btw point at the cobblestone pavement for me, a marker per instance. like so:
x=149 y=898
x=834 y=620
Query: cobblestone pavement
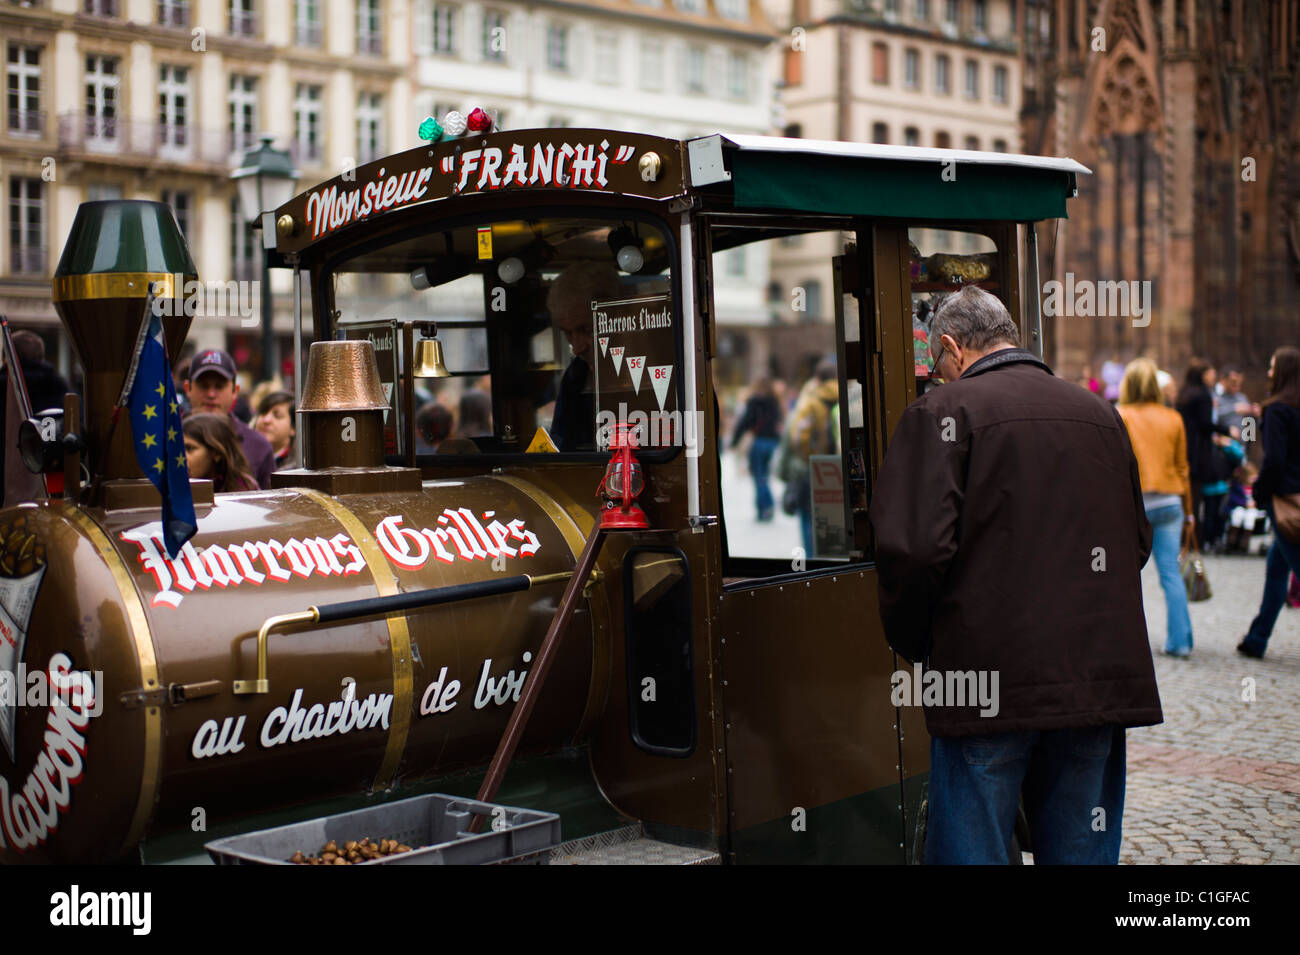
x=1219 y=780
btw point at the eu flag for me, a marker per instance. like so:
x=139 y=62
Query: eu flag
x=159 y=441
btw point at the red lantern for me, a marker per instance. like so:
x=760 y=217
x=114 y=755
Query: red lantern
x=622 y=483
x=478 y=121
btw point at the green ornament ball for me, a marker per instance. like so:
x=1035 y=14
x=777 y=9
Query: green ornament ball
x=430 y=130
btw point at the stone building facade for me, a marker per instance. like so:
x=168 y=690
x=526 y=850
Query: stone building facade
x=1185 y=112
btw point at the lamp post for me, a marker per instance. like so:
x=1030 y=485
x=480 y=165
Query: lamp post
x=265 y=181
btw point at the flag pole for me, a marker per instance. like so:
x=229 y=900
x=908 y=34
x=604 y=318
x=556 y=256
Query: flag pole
x=125 y=395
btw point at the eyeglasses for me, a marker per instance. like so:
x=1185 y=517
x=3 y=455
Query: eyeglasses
x=934 y=363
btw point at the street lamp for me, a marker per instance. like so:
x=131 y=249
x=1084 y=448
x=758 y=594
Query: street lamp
x=265 y=181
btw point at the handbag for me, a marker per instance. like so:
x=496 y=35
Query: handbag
x=1286 y=516
x=1194 y=578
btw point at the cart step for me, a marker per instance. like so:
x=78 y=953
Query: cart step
x=629 y=846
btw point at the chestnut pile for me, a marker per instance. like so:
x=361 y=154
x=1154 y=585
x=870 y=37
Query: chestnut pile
x=351 y=853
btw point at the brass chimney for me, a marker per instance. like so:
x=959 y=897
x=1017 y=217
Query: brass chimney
x=343 y=407
x=115 y=249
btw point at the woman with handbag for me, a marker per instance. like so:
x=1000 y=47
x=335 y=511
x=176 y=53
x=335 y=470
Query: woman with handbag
x=1196 y=405
x=1277 y=491
x=1160 y=446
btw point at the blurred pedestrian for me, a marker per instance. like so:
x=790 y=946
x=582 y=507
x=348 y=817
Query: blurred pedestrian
x=808 y=432
x=212 y=388
x=762 y=416
x=277 y=422
x=475 y=415
x=1279 y=474
x=1160 y=446
x=1230 y=402
x=433 y=423
x=213 y=452
x=1010 y=536
x=1196 y=405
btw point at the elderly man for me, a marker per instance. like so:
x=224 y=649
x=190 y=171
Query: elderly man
x=573 y=426
x=1010 y=534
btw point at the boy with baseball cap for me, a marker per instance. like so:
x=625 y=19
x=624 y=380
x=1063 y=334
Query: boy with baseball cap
x=212 y=388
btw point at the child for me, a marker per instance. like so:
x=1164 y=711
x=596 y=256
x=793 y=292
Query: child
x=1243 y=515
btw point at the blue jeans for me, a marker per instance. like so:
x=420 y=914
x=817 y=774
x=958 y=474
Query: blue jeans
x=1167 y=527
x=1072 y=781
x=1283 y=560
x=760 y=460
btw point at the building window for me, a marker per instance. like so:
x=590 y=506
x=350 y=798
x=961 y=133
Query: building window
x=101 y=99
x=182 y=204
x=812 y=300
x=243 y=259
x=921 y=10
x=174 y=13
x=950 y=12
x=1000 y=84
x=307 y=122
x=306 y=23
x=370 y=38
x=982 y=16
x=173 y=107
x=557 y=47
x=242 y=20
x=999 y=145
x=879 y=133
x=559 y=122
x=942 y=140
x=26 y=225
x=100 y=8
x=444 y=28
x=879 y=63
x=606 y=58
x=942 y=74
x=243 y=112
x=23 y=89
x=973 y=142
x=736 y=262
x=494 y=36
x=691 y=6
x=912 y=69
x=972 y=79
x=693 y=69
x=652 y=64
x=370 y=127
x=891 y=6
x=911 y=136
x=732 y=9
x=738 y=74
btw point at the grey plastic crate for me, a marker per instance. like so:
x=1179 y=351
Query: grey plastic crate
x=435 y=826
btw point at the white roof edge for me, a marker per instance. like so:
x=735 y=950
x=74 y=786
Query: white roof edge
x=828 y=147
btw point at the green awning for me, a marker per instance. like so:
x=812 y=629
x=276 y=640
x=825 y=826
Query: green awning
x=904 y=190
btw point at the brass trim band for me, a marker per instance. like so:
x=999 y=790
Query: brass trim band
x=399 y=637
x=69 y=288
x=144 y=648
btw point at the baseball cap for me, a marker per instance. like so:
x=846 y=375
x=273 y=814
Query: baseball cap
x=213 y=359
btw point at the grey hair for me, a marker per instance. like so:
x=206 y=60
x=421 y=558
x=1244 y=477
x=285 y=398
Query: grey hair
x=974 y=319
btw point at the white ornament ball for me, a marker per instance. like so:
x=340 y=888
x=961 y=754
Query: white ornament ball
x=453 y=124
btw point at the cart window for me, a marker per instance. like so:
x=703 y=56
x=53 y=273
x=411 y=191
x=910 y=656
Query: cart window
x=512 y=302
x=941 y=262
x=791 y=397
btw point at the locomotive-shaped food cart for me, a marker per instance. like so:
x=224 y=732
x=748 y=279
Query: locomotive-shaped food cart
x=722 y=681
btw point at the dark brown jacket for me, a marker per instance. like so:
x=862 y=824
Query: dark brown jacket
x=1002 y=497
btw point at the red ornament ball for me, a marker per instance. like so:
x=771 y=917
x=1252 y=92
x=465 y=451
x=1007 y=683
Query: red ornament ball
x=479 y=121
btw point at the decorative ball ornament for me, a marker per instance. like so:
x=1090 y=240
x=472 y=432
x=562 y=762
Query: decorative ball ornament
x=430 y=130
x=478 y=121
x=453 y=124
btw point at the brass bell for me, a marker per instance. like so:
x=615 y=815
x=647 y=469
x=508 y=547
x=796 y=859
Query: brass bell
x=430 y=363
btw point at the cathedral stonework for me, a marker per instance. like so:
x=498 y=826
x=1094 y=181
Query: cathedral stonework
x=1185 y=112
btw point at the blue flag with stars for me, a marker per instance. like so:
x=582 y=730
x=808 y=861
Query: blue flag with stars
x=159 y=440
